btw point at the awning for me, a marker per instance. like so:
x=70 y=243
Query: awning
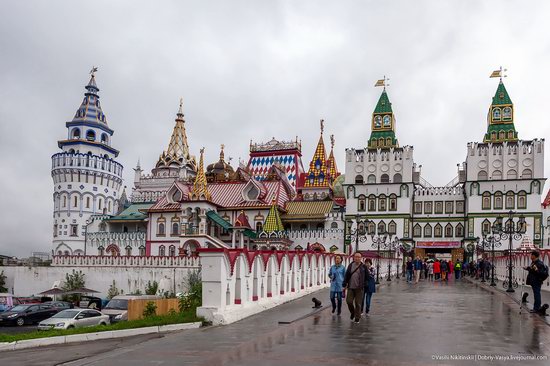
x=217 y=219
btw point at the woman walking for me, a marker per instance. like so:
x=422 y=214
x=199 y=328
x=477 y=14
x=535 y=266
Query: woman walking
x=437 y=269
x=430 y=271
x=370 y=286
x=336 y=274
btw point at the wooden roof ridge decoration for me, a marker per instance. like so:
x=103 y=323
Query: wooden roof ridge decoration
x=200 y=186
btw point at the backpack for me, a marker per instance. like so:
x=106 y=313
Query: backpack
x=543 y=275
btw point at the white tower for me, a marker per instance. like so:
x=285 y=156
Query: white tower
x=87 y=179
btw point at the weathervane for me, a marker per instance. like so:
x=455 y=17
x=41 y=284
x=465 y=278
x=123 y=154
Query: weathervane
x=181 y=106
x=382 y=82
x=322 y=125
x=332 y=141
x=93 y=71
x=499 y=73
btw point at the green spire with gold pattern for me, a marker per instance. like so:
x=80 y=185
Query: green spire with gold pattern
x=383 y=124
x=500 y=119
x=273 y=221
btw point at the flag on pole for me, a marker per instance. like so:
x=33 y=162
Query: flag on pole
x=381 y=82
x=496 y=74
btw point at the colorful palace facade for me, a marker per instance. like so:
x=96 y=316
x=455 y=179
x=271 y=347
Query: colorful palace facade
x=272 y=202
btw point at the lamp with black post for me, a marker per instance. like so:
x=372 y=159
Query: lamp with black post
x=387 y=241
x=359 y=233
x=480 y=246
x=509 y=232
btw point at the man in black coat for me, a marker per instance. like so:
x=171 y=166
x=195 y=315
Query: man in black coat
x=355 y=281
x=535 y=278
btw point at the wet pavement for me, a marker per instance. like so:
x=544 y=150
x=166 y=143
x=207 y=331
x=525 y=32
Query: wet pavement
x=428 y=323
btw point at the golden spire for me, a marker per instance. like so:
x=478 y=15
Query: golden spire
x=200 y=187
x=178 y=148
x=222 y=155
x=317 y=174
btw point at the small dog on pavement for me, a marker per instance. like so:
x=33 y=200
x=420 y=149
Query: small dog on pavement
x=316 y=303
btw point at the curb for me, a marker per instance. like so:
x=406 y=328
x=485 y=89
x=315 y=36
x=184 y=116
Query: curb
x=110 y=334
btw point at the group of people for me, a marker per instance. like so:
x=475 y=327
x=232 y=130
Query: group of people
x=356 y=283
x=432 y=269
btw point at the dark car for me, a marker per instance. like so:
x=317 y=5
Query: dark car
x=90 y=302
x=27 y=314
x=59 y=305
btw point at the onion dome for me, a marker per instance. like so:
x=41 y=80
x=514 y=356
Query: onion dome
x=220 y=170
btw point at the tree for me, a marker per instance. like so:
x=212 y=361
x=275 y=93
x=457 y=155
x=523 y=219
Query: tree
x=3 y=282
x=113 y=291
x=151 y=288
x=74 y=281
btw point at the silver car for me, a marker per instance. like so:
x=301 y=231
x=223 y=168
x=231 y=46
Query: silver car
x=74 y=318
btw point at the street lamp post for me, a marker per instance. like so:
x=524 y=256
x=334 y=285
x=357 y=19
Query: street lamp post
x=481 y=246
x=509 y=232
x=359 y=233
x=388 y=242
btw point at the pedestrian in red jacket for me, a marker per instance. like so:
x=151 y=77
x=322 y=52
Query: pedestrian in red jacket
x=437 y=270
x=451 y=267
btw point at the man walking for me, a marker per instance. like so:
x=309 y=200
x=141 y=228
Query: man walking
x=458 y=268
x=336 y=275
x=538 y=272
x=417 y=266
x=409 y=269
x=354 y=281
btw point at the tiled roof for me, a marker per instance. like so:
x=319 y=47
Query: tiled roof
x=546 y=201
x=384 y=104
x=307 y=209
x=90 y=109
x=200 y=187
x=317 y=176
x=501 y=96
x=273 y=221
x=132 y=213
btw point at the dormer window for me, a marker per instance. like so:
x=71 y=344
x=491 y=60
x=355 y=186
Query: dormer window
x=318 y=164
x=251 y=192
x=496 y=114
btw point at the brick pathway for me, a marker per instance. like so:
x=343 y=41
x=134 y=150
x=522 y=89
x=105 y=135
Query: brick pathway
x=409 y=325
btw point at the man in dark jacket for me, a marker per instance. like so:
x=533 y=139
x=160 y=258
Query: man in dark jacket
x=535 y=278
x=354 y=282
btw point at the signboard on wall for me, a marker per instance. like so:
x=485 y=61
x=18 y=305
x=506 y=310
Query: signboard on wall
x=438 y=244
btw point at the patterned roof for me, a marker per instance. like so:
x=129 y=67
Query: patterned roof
x=383 y=105
x=501 y=96
x=230 y=195
x=318 y=176
x=242 y=220
x=382 y=135
x=273 y=221
x=178 y=148
x=546 y=201
x=133 y=212
x=332 y=169
x=200 y=187
x=307 y=209
x=90 y=109
x=501 y=127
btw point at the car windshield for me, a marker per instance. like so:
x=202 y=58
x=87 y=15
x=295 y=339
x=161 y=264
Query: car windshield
x=20 y=308
x=67 y=314
x=118 y=304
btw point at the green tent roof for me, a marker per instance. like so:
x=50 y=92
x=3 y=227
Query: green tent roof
x=383 y=105
x=501 y=96
x=132 y=212
x=213 y=215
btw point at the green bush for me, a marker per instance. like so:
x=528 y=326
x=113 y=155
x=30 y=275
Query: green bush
x=113 y=291
x=3 y=282
x=193 y=298
x=150 y=309
x=73 y=281
x=151 y=288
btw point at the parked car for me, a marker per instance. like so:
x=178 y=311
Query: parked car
x=74 y=318
x=29 y=300
x=7 y=301
x=117 y=308
x=90 y=302
x=27 y=314
x=60 y=305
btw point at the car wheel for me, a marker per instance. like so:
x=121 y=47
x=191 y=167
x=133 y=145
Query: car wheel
x=20 y=322
x=103 y=323
x=70 y=327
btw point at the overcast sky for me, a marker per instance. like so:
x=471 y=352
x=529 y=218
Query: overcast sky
x=254 y=70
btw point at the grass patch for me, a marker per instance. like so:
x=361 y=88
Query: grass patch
x=185 y=317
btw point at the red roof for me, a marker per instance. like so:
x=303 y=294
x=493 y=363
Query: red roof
x=546 y=201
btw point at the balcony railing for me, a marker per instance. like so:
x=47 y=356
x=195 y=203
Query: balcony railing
x=69 y=160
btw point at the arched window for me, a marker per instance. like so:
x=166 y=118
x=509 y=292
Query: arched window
x=496 y=114
x=482 y=175
x=259 y=227
x=101 y=251
x=64 y=201
x=392 y=228
x=359 y=179
x=175 y=228
x=161 y=228
x=142 y=251
x=428 y=231
x=486 y=201
x=512 y=174
x=382 y=202
x=507 y=113
x=527 y=174
x=510 y=134
x=522 y=199
x=76 y=133
x=334 y=225
x=381 y=228
x=87 y=202
x=371 y=228
x=417 y=231
x=371 y=179
x=459 y=231
x=162 y=251
x=172 y=251
x=498 y=201
x=393 y=202
x=397 y=178
x=497 y=175
x=104 y=138
x=90 y=135
x=510 y=200
x=485 y=227
x=75 y=201
x=100 y=204
x=449 y=231
x=128 y=251
x=361 y=203
x=384 y=178
x=103 y=227
x=501 y=135
x=320 y=226
x=438 y=231
x=372 y=202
